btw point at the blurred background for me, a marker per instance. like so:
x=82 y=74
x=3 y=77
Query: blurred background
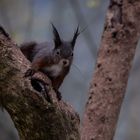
x=27 y=20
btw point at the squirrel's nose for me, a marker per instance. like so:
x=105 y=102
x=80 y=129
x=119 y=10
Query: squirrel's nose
x=65 y=62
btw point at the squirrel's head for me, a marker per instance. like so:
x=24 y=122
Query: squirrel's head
x=63 y=50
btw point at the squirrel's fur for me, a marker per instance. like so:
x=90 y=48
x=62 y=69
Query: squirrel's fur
x=53 y=59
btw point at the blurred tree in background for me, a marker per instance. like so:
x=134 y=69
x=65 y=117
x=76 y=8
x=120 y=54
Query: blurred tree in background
x=27 y=20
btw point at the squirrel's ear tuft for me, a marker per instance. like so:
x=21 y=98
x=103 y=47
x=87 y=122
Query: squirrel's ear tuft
x=76 y=34
x=57 y=39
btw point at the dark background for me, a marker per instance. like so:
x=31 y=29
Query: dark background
x=27 y=20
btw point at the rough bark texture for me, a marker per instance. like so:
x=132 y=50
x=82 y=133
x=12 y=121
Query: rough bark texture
x=119 y=40
x=34 y=117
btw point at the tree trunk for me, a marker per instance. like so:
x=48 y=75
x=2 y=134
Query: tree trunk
x=34 y=117
x=119 y=40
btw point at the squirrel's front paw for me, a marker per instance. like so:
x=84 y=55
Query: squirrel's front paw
x=29 y=72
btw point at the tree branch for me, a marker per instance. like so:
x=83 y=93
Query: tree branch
x=119 y=40
x=34 y=117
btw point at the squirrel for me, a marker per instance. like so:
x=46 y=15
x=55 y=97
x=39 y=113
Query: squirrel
x=53 y=59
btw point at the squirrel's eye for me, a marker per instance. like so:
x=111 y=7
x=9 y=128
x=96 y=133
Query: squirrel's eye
x=71 y=54
x=58 y=52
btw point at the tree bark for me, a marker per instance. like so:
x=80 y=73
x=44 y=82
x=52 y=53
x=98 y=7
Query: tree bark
x=106 y=93
x=34 y=117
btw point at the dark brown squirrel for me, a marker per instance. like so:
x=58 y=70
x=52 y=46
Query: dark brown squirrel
x=53 y=59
